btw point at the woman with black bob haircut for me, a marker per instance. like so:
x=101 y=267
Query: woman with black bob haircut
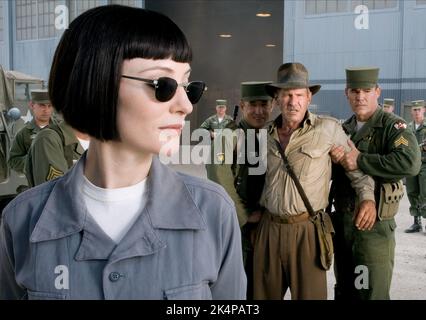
x=120 y=224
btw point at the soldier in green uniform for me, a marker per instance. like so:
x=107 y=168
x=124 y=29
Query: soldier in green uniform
x=388 y=105
x=416 y=186
x=53 y=152
x=245 y=188
x=42 y=112
x=384 y=148
x=215 y=124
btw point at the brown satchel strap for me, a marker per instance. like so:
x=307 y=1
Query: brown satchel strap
x=296 y=180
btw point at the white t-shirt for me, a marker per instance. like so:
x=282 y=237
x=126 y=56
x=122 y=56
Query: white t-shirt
x=84 y=143
x=220 y=119
x=417 y=125
x=359 y=125
x=114 y=210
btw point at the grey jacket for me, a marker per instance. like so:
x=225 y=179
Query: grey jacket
x=186 y=244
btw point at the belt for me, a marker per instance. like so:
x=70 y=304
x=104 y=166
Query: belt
x=289 y=219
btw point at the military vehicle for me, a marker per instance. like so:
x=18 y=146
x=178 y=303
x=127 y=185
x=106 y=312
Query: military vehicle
x=15 y=89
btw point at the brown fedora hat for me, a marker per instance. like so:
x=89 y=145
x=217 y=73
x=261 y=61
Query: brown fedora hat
x=292 y=75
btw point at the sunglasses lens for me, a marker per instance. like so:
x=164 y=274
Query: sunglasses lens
x=166 y=88
x=195 y=90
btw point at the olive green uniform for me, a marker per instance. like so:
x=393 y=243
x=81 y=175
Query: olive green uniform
x=211 y=124
x=389 y=152
x=21 y=144
x=416 y=186
x=52 y=153
x=244 y=189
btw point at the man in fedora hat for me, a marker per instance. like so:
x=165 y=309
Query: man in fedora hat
x=42 y=116
x=215 y=124
x=243 y=186
x=388 y=105
x=384 y=148
x=286 y=251
x=416 y=186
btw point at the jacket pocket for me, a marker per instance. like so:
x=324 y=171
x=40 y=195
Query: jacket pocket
x=313 y=152
x=39 y=295
x=199 y=291
x=316 y=159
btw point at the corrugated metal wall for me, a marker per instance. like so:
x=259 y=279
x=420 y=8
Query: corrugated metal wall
x=395 y=41
x=33 y=56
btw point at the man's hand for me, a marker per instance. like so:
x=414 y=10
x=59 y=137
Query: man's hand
x=255 y=216
x=337 y=153
x=366 y=216
x=212 y=134
x=349 y=160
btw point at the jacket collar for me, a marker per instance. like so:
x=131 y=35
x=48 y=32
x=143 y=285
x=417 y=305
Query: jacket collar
x=309 y=120
x=169 y=204
x=376 y=121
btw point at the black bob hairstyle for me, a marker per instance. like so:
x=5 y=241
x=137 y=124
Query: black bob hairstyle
x=86 y=70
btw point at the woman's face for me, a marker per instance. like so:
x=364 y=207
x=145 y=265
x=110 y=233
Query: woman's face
x=145 y=124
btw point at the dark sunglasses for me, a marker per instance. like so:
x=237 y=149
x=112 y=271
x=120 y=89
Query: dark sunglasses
x=165 y=88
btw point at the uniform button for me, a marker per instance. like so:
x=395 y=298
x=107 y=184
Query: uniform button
x=114 y=276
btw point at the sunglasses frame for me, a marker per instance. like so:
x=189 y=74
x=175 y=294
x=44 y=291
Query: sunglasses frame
x=155 y=85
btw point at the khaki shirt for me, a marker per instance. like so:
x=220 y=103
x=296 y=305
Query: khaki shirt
x=308 y=155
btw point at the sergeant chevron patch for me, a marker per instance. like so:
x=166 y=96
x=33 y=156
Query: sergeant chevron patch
x=401 y=140
x=53 y=173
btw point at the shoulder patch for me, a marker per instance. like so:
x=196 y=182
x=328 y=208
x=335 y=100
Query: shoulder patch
x=400 y=125
x=401 y=141
x=53 y=173
x=220 y=157
x=325 y=117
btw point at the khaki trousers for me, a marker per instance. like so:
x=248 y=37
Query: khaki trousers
x=286 y=256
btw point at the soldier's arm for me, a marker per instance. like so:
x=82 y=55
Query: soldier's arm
x=223 y=174
x=226 y=180
x=206 y=124
x=362 y=183
x=18 y=153
x=403 y=158
x=48 y=161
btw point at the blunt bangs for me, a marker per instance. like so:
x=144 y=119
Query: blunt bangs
x=86 y=71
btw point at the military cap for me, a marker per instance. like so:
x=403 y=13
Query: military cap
x=417 y=104
x=292 y=75
x=388 y=102
x=362 y=78
x=254 y=90
x=40 y=96
x=221 y=102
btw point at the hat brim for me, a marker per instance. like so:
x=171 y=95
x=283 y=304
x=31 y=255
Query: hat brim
x=256 y=98
x=41 y=101
x=272 y=88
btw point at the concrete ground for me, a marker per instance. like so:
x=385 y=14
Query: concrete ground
x=409 y=277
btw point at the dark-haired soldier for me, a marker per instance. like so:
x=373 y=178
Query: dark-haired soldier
x=385 y=149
